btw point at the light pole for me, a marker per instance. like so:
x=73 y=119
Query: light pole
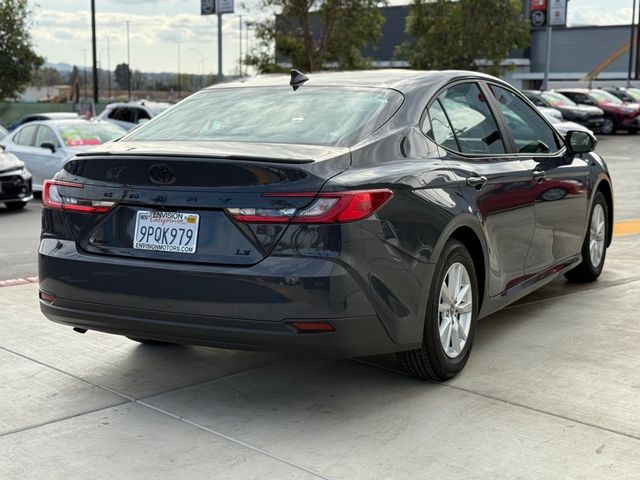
x=219 y=13
x=95 y=60
x=631 y=42
x=202 y=60
x=178 y=43
x=84 y=67
x=109 y=65
x=128 y=62
x=240 y=54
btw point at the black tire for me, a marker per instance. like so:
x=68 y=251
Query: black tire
x=431 y=362
x=15 y=205
x=587 y=271
x=609 y=125
x=633 y=131
x=147 y=341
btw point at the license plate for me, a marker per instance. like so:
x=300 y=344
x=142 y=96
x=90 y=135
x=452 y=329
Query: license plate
x=175 y=232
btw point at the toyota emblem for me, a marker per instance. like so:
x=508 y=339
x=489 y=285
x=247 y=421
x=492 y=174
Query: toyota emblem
x=161 y=174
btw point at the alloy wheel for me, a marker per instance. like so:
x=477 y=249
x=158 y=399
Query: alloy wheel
x=597 y=230
x=455 y=310
x=608 y=127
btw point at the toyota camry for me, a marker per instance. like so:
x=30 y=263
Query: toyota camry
x=336 y=213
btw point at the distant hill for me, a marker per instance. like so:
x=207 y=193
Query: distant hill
x=61 y=67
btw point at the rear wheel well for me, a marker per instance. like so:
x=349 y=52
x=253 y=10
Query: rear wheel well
x=605 y=188
x=470 y=240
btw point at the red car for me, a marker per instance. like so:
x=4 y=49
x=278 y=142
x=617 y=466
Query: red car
x=617 y=114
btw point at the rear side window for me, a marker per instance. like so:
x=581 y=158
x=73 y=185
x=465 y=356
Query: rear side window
x=470 y=118
x=313 y=115
x=25 y=136
x=440 y=129
x=530 y=132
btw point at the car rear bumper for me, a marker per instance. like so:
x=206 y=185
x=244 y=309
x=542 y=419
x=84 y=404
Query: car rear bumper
x=242 y=308
x=351 y=337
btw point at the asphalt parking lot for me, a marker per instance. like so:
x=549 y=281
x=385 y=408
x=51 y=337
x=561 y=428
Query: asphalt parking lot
x=552 y=390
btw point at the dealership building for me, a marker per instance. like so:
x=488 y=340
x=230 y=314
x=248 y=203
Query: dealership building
x=576 y=51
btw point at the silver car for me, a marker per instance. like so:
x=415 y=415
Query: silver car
x=46 y=146
x=130 y=115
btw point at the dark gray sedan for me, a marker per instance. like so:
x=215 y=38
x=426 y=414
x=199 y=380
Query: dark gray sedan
x=345 y=213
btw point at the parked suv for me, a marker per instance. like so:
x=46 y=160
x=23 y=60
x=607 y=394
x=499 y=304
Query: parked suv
x=617 y=114
x=588 y=116
x=130 y=115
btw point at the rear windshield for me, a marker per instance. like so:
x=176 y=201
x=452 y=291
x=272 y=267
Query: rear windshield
x=311 y=115
x=81 y=135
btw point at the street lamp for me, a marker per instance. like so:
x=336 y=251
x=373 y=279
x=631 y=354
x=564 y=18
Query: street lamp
x=202 y=60
x=128 y=62
x=178 y=43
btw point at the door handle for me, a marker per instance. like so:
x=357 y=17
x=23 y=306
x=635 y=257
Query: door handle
x=476 y=182
x=539 y=175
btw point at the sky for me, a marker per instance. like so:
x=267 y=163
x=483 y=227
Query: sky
x=62 y=29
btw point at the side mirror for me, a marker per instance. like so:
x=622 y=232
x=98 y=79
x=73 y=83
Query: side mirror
x=143 y=120
x=48 y=145
x=580 y=142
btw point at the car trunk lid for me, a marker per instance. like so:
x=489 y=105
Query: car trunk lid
x=159 y=177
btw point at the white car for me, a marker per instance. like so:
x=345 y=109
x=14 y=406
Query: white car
x=46 y=146
x=130 y=115
x=550 y=112
x=563 y=126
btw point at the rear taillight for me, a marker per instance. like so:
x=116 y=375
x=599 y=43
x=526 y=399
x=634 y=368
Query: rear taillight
x=334 y=207
x=72 y=200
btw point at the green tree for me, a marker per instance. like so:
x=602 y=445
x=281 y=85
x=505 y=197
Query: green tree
x=466 y=34
x=315 y=34
x=18 y=60
x=123 y=75
x=47 y=77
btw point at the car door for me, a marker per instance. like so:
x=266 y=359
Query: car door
x=560 y=182
x=48 y=161
x=495 y=183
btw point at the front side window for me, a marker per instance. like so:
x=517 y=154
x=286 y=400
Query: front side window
x=46 y=135
x=141 y=114
x=530 y=132
x=313 y=115
x=122 y=114
x=473 y=124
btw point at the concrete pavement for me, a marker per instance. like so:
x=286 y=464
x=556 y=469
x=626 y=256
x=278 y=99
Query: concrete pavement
x=552 y=390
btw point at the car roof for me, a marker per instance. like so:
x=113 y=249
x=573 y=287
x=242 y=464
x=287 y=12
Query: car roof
x=58 y=122
x=54 y=115
x=578 y=90
x=384 y=78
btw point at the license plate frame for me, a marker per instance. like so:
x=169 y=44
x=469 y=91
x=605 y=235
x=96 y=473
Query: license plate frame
x=166 y=232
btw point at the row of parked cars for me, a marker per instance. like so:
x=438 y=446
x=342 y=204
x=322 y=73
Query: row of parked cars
x=602 y=110
x=36 y=146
